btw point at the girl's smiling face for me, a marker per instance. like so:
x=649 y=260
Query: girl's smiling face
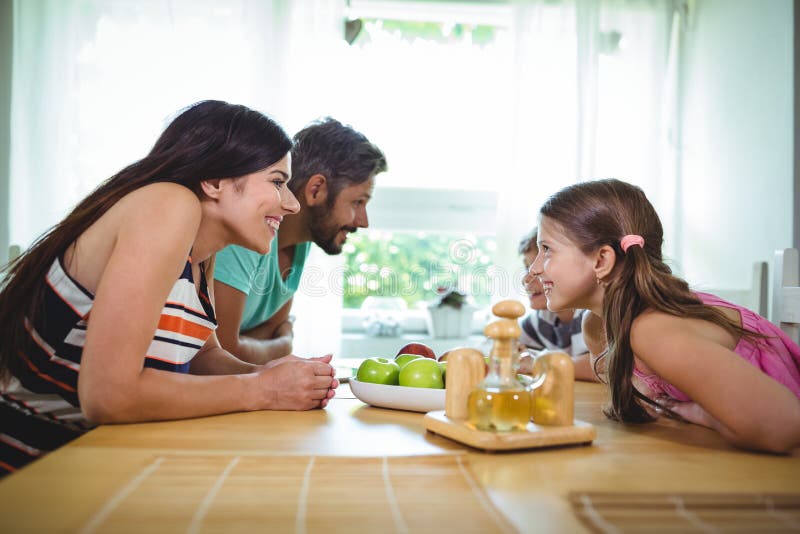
x=567 y=274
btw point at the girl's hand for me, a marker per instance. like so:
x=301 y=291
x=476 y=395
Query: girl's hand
x=525 y=364
x=527 y=360
x=690 y=411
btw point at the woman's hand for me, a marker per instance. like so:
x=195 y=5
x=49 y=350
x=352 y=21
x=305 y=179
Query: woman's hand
x=292 y=383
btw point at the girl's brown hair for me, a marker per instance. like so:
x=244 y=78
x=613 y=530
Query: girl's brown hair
x=597 y=213
x=208 y=140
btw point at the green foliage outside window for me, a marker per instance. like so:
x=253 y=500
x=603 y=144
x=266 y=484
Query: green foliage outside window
x=414 y=265
x=440 y=32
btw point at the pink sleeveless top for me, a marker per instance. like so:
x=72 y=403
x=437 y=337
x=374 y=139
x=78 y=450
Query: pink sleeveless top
x=777 y=355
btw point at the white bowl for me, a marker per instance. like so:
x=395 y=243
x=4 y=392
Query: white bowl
x=398 y=397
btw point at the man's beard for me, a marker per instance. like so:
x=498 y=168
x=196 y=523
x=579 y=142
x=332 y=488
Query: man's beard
x=324 y=231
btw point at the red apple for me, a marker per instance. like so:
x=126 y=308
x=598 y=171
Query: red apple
x=420 y=349
x=443 y=357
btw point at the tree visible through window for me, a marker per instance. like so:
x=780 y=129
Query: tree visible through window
x=414 y=266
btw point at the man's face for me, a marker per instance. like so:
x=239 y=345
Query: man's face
x=330 y=225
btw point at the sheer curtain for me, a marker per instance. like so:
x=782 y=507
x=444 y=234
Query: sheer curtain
x=94 y=82
x=45 y=181
x=572 y=90
x=607 y=114
x=318 y=78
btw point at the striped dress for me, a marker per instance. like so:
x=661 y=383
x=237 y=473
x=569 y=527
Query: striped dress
x=39 y=406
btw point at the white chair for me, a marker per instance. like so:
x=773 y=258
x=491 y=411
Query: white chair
x=13 y=252
x=786 y=292
x=756 y=297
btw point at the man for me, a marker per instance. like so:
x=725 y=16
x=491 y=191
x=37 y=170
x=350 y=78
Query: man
x=333 y=173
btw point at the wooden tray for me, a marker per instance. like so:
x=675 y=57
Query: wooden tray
x=581 y=433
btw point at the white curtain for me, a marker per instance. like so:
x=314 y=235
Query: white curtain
x=608 y=114
x=45 y=181
x=319 y=64
x=95 y=81
x=578 y=89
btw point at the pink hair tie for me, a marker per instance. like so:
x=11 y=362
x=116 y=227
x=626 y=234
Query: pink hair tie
x=631 y=239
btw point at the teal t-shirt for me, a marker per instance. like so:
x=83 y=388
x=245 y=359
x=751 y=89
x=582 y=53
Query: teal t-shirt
x=260 y=279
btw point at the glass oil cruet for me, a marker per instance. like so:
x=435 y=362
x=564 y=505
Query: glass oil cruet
x=501 y=403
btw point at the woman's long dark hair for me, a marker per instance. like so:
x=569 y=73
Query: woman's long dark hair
x=208 y=140
x=598 y=213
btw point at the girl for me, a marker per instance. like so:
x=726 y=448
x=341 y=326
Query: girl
x=543 y=329
x=690 y=355
x=104 y=317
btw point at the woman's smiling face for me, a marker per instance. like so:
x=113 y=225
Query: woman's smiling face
x=254 y=205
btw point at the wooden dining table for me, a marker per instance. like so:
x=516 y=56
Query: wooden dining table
x=357 y=468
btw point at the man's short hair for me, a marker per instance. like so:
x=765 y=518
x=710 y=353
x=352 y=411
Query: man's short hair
x=337 y=151
x=528 y=242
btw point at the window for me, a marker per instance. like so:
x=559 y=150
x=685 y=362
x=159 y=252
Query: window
x=433 y=217
x=417 y=266
x=420 y=240
x=432 y=87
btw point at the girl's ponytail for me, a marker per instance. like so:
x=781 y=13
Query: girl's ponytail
x=623 y=302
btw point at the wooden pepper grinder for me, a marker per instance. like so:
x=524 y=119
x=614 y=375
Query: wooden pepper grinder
x=553 y=403
x=511 y=310
x=465 y=369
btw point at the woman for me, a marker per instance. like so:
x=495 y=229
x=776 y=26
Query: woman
x=108 y=317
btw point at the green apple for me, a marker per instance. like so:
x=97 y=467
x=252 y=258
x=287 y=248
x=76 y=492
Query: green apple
x=422 y=373
x=403 y=359
x=443 y=367
x=378 y=371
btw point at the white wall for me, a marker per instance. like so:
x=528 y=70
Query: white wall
x=6 y=17
x=736 y=203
